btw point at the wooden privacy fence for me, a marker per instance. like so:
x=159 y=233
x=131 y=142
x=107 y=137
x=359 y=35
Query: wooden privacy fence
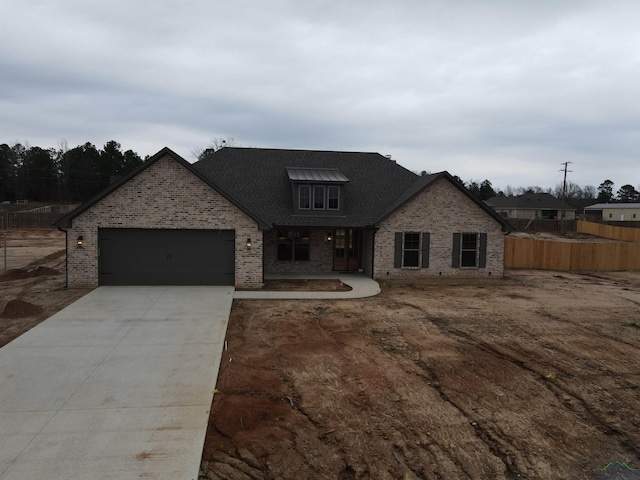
x=522 y=252
x=608 y=231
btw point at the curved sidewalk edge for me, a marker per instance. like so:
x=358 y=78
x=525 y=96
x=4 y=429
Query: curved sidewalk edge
x=361 y=287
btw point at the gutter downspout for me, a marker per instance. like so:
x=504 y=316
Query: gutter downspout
x=66 y=257
x=373 y=250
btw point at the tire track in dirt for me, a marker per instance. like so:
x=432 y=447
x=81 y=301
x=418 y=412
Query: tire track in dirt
x=581 y=407
x=594 y=331
x=495 y=443
x=390 y=344
x=417 y=384
x=498 y=443
x=565 y=395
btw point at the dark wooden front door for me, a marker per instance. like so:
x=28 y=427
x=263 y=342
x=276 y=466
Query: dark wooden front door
x=347 y=249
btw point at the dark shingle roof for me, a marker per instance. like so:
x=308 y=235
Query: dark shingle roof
x=529 y=201
x=258 y=178
x=258 y=182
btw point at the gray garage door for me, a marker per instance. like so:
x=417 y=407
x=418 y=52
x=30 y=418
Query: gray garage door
x=166 y=257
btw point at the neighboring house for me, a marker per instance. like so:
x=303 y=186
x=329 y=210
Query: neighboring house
x=614 y=211
x=531 y=205
x=242 y=213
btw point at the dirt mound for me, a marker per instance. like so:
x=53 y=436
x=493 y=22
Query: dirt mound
x=49 y=258
x=20 y=273
x=20 y=309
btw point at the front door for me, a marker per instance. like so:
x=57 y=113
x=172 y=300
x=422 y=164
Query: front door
x=347 y=249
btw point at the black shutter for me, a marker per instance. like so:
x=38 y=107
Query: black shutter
x=455 y=258
x=425 y=250
x=482 y=260
x=397 y=251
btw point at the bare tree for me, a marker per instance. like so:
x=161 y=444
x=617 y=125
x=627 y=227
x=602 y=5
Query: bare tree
x=216 y=144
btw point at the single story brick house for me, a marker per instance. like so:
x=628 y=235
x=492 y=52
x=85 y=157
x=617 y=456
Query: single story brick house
x=531 y=205
x=241 y=213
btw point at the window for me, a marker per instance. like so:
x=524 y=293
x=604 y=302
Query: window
x=304 y=197
x=293 y=245
x=411 y=250
x=469 y=250
x=333 y=197
x=318 y=197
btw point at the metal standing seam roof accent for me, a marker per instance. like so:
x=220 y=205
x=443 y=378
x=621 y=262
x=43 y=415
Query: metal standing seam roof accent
x=302 y=174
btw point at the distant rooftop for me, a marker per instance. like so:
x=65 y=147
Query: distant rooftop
x=603 y=206
x=528 y=201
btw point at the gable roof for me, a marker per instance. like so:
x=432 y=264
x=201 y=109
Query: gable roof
x=528 y=201
x=259 y=178
x=423 y=182
x=258 y=182
x=65 y=222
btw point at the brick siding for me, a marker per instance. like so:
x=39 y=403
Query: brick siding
x=163 y=196
x=441 y=210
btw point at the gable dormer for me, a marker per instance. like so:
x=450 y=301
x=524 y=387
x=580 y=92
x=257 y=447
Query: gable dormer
x=317 y=191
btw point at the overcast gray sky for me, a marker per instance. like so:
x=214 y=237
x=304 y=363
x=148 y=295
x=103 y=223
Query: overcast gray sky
x=505 y=90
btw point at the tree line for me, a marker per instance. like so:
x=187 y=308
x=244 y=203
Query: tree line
x=61 y=174
x=77 y=174
x=575 y=195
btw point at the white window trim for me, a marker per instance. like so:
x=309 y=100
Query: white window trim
x=339 y=194
x=310 y=197
x=324 y=197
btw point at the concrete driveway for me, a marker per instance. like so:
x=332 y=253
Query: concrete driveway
x=116 y=386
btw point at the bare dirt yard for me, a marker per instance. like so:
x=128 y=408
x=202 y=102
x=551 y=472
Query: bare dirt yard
x=32 y=288
x=533 y=376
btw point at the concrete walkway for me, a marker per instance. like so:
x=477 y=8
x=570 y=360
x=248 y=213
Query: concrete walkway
x=362 y=287
x=116 y=386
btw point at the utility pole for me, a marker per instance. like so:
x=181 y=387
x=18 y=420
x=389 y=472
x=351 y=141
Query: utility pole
x=564 y=192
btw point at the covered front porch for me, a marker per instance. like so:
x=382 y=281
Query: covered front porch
x=318 y=250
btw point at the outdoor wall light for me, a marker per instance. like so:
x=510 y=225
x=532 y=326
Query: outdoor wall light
x=248 y=243
x=80 y=241
x=329 y=237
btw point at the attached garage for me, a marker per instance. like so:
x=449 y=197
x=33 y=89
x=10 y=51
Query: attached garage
x=133 y=256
